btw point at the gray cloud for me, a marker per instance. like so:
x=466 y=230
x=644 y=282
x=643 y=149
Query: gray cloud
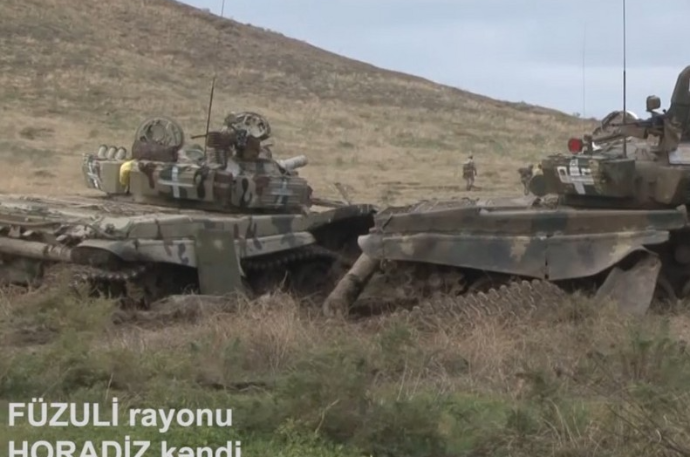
x=518 y=50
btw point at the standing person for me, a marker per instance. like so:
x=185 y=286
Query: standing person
x=469 y=171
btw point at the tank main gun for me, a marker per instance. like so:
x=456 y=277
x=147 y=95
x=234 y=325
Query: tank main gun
x=670 y=126
x=611 y=132
x=293 y=163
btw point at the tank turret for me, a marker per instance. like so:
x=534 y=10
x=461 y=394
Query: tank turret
x=618 y=231
x=627 y=162
x=176 y=216
x=234 y=173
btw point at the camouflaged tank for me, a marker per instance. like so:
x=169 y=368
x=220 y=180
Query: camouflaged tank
x=610 y=216
x=173 y=217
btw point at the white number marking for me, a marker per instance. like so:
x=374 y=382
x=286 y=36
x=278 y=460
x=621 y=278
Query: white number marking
x=576 y=176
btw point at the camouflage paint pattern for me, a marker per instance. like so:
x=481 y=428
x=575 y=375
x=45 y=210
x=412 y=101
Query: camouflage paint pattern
x=158 y=205
x=625 y=193
x=648 y=171
x=261 y=185
x=137 y=232
x=553 y=244
x=219 y=269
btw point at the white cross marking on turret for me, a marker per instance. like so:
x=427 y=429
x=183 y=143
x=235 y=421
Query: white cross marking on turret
x=175 y=177
x=282 y=191
x=174 y=181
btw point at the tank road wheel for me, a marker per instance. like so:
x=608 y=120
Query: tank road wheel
x=449 y=283
x=156 y=283
x=507 y=303
x=486 y=282
x=303 y=271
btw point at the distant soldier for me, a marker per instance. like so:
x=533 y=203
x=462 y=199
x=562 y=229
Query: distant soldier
x=526 y=175
x=469 y=171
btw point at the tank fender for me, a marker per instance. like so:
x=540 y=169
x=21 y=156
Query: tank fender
x=556 y=257
x=183 y=251
x=576 y=256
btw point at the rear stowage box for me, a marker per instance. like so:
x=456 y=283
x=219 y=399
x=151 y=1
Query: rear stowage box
x=103 y=175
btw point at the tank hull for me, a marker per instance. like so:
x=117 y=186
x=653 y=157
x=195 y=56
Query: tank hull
x=618 y=222
x=116 y=239
x=478 y=246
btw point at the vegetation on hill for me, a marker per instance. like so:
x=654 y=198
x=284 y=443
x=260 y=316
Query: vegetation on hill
x=581 y=380
x=76 y=74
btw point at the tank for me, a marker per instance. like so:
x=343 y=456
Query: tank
x=609 y=218
x=170 y=217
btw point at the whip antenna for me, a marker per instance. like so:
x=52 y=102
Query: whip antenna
x=625 y=113
x=584 y=81
x=213 y=86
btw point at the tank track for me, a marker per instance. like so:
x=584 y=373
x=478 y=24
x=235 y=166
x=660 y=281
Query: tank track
x=513 y=300
x=270 y=262
x=134 y=277
x=303 y=254
x=421 y=280
x=95 y=275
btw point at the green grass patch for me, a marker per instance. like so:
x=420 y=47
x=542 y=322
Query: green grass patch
x=303 y=387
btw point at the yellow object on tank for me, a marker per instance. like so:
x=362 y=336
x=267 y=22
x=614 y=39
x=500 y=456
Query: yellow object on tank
x=125 y=169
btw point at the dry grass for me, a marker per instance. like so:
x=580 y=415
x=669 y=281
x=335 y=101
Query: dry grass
x=598 y=383
x=77 y=74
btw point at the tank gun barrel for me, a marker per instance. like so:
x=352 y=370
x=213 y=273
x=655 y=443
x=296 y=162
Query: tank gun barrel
x=37 y=250
x=651 y=125
x=640 y=129
x=293 y=163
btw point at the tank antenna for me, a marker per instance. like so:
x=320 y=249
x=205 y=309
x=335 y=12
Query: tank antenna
x=213 y=86
x=584 y=66
x=625 y=113
x=208 y=115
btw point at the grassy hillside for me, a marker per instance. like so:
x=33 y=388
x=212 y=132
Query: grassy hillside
x=75 y=74
x=572 y=379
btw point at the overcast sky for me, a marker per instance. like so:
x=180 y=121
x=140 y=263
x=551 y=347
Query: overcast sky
x=517 y=50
